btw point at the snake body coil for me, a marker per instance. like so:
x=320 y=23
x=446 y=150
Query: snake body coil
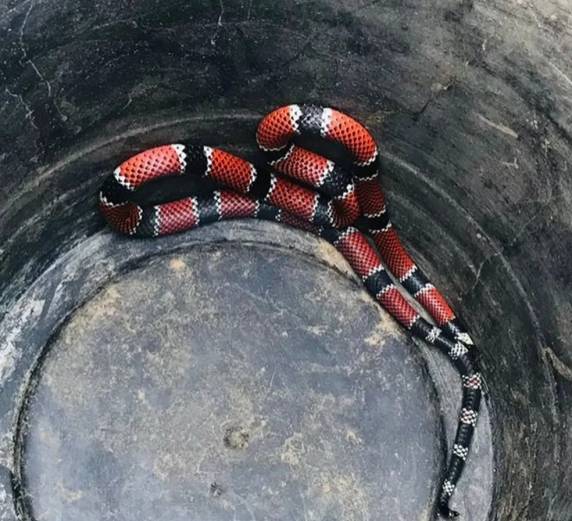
x=345 y=206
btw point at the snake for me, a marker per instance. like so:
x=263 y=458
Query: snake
x=341 y=201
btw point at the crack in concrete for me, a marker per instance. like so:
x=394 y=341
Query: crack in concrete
x=27 y=60
x=24 y=51
x=29 y=112
x=15 y=8
x=219 y=24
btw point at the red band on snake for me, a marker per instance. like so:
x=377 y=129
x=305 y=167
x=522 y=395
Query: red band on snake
x=300 y=188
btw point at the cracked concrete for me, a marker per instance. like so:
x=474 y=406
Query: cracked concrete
x=219 y=23
x=29 y=110
x=25 y=58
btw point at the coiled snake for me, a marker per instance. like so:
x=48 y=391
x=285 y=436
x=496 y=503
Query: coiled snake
x=343 y=204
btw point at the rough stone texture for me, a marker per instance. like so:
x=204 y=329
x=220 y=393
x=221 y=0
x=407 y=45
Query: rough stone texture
x=471 y=101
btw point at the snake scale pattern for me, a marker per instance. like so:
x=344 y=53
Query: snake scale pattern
x=342 y=203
